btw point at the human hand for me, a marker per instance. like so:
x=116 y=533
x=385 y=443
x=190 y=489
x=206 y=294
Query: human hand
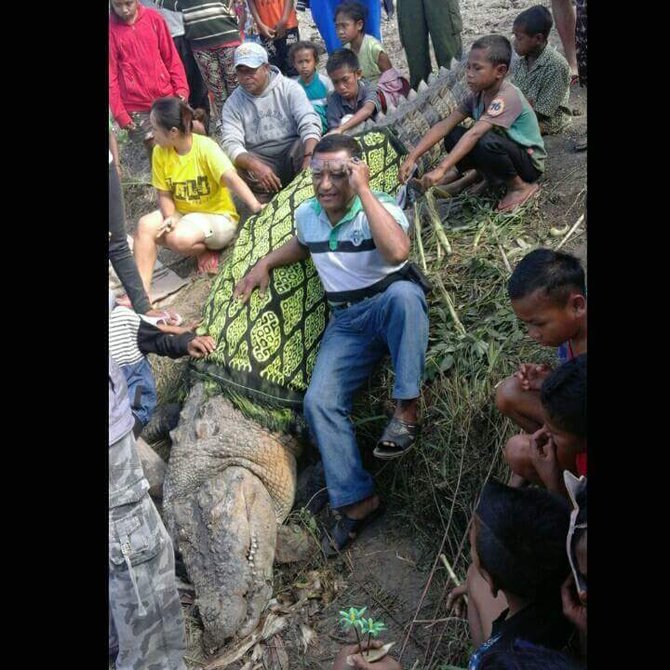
x=130 y=126
x=167 y=226
x=266 y=176
x=543 y=458
x=258 y=207
x=456 y=601
x=406 y=168
x=531 y=376
x=257 y=276
x=574 y=610
x=280 y=28
x=201 y=346
x=354 y=650
x=431 y=178
x=334 y=131
x=359 y=175
x=266 y=31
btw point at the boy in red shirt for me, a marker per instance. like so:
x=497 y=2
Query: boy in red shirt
x=278 y=25
x=143 y=65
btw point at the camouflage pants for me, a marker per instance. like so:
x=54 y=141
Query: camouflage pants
x=146 y=620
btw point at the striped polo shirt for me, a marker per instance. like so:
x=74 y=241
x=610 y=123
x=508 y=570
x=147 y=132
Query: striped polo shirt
x=345 y=254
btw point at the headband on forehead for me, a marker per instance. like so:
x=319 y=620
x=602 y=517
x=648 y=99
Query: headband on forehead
x=339 y=166
x=576 y=487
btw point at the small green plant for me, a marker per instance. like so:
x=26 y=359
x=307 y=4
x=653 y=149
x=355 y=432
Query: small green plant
x=353 y=618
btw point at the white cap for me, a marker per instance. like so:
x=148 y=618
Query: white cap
x=250 y=54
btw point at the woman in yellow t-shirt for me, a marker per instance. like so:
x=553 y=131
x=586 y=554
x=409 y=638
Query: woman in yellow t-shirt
x=196 y=215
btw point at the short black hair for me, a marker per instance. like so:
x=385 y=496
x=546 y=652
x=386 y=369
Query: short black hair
x=563 y=396
x=556 y=273
x=534 y=20
x=299 y=46
x=524 y=655
x=498 y=49
x=342 y=58
x=520 y=541
x=337 y=142
x=354 y=10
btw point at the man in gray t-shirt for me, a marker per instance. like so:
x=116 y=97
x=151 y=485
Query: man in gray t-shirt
x=269 y=127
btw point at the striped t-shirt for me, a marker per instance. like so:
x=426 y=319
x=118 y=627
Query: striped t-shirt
x=345 y=254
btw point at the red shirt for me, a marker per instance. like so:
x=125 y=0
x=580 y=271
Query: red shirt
x=581 y=464
x=143 y=64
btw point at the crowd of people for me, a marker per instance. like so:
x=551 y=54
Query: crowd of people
x=174 y=65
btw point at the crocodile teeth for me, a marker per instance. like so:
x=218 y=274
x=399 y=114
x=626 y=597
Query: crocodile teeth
x=422 y=86
x=412 y=94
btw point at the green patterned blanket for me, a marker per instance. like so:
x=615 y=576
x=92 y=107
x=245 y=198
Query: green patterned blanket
x=266 y=348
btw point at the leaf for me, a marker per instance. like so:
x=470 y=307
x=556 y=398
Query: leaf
x=447 y=362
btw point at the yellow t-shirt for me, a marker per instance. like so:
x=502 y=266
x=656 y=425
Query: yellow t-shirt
x=194 y=180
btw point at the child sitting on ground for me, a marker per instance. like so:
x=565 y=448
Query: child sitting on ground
x=376 y=68
x=513 y=154
x=352 y=101
x=548 y=293
x=542 y=74
x=560 y=444
x=519 y=562
x=305 y=57
x=131 y=338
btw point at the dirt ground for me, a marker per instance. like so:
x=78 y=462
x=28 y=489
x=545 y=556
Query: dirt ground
x=386 y=568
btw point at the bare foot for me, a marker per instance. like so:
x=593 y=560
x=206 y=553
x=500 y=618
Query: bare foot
x=362 y=508
x=516 y=481
x=518 y=193
x=208 y=262
x=469 y=178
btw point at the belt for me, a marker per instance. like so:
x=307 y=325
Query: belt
x=343 y=305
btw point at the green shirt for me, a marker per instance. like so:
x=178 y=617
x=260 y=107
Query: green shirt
x=368 y=57
x=547 y=85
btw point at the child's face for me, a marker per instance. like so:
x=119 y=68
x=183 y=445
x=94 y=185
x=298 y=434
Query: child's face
x=305 y=63
x=126 y=10
x=524 y=43
x=347 y=29
x=481 y=73
x=345 y=82
x=548 y=323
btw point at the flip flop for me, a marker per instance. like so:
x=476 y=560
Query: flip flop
x=397 y=439
x=509 y=209
x=345 y=531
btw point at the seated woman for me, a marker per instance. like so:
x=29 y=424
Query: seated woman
x=196 y=215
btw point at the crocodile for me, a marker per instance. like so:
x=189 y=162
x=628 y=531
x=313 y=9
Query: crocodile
x=231 y=476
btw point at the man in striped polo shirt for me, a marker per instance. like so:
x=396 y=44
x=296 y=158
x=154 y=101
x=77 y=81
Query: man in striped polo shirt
x=358 y=241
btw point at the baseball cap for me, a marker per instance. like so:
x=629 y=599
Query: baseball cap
x=250 y=54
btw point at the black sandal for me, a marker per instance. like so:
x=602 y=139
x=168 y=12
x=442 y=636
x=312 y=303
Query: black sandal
x=397 y=439
x=345 y=531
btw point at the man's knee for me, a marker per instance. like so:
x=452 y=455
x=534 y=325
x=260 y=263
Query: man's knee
x=406 y=296
x=507 y=395
x=516 y=453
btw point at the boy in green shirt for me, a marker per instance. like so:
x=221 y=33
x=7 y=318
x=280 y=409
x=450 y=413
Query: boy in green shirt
x=542 y=74
x=504 y=145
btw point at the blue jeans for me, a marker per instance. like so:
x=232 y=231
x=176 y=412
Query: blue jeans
x=356 y=338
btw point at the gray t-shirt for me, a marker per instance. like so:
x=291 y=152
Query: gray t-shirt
x=174 y=20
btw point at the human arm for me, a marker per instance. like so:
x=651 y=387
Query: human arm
x=384 y=62
x=306 y=118
x=172 y=61
x=439 y=131
x=308 y=152
x=391 y=240
x=463 y=147
x=119 y=112
x=280 y=28
x=574 y=610
x=266 y=31
x=238 y=186
x=365 y=112
x=543 y=458
x=290 y=252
